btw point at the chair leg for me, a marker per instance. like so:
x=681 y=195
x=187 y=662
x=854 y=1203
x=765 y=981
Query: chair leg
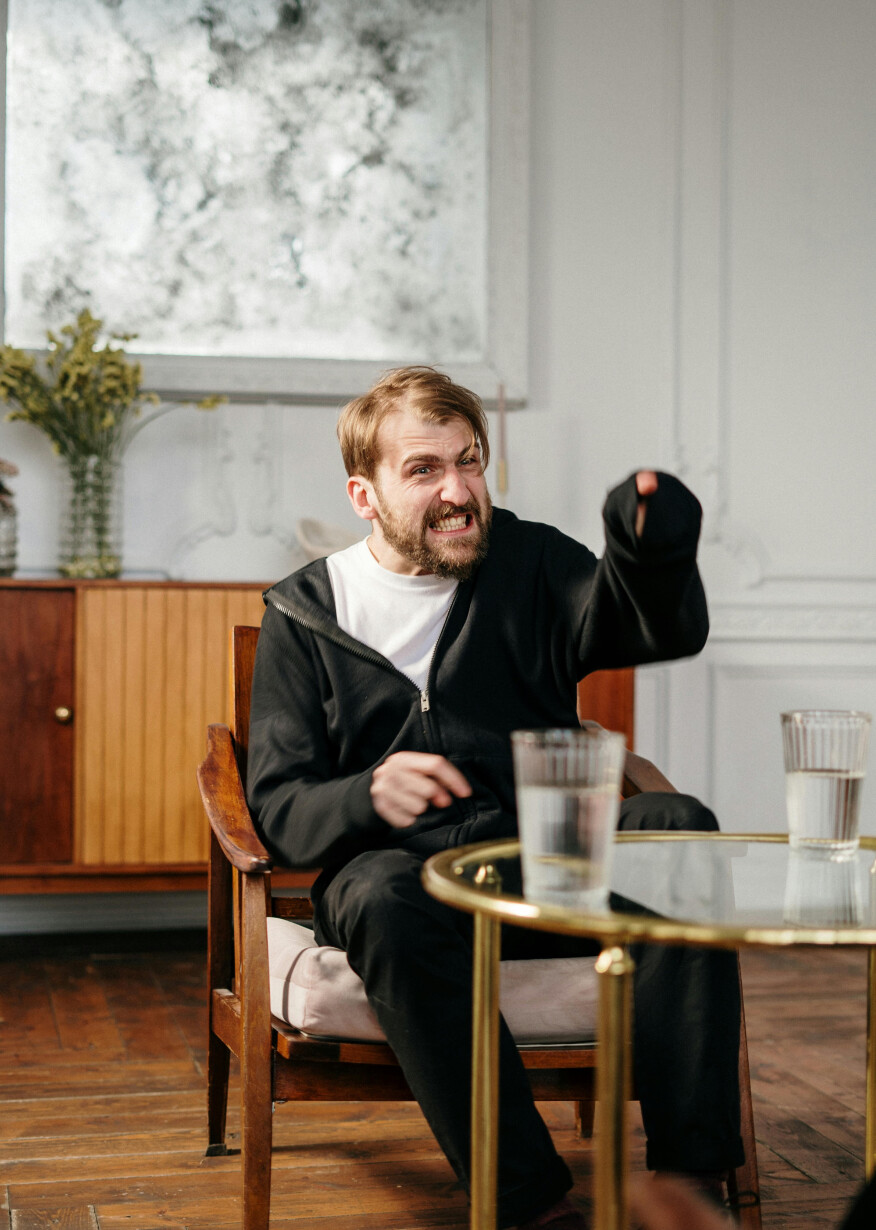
x=218 y=1065
x=220 y=964
x=256 y=1059
x=585 y=1115
x=743 y=1184
x=256 y=1141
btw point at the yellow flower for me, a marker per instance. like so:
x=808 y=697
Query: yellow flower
x=81 y=397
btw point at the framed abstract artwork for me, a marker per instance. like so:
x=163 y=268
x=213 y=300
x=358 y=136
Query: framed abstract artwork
x=280 y=199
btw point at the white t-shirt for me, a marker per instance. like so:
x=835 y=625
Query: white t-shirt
x=399 y=616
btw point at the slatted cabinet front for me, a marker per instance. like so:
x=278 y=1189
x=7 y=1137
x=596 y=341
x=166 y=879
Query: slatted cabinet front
x=151 y=676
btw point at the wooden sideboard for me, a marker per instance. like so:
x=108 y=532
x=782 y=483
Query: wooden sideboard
x=106 y=691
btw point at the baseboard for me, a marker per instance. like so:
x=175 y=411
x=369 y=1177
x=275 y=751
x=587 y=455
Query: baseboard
x=89 y=912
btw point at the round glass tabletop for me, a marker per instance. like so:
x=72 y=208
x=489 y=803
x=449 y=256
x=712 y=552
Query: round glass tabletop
x=721 y=890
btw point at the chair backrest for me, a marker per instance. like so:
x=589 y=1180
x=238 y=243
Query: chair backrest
x=608 y=697
x=243 y=642
x=242 y=653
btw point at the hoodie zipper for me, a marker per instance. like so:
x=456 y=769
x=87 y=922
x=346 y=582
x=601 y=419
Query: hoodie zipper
x=424 y=695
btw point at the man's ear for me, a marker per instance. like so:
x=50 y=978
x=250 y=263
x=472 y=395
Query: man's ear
x=361 y=495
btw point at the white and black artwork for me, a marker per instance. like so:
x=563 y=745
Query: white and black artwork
x=251 y=178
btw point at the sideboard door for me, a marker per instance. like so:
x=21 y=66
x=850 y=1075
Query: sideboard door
x=152 y=675
x=36 y=725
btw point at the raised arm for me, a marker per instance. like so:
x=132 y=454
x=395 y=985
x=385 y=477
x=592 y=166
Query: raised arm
x=645 y=602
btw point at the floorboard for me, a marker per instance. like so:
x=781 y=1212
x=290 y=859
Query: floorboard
x=102 y=1118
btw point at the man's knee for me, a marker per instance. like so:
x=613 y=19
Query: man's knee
x=378 y=900
x=662 y=811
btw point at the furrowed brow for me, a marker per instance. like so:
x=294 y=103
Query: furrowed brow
x=432 y=459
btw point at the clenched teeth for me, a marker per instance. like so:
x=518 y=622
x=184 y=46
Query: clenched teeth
x=446 y=524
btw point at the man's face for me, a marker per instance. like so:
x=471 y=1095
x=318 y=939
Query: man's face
x=432 y=508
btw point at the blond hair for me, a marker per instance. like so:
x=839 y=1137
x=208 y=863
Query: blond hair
x=429 y=394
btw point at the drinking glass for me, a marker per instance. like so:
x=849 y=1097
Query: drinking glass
x=825 y=760
x=568 y=786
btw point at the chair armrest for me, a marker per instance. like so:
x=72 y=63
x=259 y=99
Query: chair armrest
x=225 y=804
x=640 y=775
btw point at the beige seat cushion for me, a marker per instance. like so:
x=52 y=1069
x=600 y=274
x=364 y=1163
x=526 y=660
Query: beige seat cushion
x=314 y=989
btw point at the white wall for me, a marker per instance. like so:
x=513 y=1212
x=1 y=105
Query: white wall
x=703 y=299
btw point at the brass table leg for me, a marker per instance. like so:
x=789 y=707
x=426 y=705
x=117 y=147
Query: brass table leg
x=870 y=1132
x=613 y=1084
x=485 y=1067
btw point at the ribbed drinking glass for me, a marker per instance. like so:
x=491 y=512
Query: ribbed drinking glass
x=825 y=763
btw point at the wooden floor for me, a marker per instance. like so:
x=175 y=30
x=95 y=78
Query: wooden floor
x=102 y=1106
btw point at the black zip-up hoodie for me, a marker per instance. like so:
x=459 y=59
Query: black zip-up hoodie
x=540 y=613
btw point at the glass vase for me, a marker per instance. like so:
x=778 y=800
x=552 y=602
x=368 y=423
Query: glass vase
x=8 y=538
x=90 y=542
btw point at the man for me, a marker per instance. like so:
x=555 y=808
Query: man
x=387 y=682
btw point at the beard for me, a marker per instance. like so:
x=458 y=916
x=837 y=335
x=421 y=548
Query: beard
x=457 y=558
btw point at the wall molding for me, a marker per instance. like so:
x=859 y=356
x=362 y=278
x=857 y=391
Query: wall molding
x=265 y=515
x=702 y=403
x=222 y=520
x=739 y=622
x=699 y=428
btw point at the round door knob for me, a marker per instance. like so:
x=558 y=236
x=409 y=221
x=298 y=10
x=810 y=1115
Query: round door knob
x=63 y=715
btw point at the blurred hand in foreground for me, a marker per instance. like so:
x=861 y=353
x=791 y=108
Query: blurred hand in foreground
x=659 y=1202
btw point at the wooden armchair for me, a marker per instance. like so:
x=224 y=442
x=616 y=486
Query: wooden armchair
x=278 y=1062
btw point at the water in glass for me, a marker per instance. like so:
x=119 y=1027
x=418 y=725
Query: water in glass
x=823 y=807
x=566 y=838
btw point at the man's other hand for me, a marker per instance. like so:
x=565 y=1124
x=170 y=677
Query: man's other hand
x=407 y=783
x=646 y=484
x=663 y=1203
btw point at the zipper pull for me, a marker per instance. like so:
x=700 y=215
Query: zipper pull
x=424 y=702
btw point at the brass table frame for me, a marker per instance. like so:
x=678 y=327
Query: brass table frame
x=443 y=877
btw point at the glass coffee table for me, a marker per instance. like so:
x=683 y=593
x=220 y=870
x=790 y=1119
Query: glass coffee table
x=706 y=889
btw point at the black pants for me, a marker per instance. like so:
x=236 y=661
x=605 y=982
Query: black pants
x=414 y=955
